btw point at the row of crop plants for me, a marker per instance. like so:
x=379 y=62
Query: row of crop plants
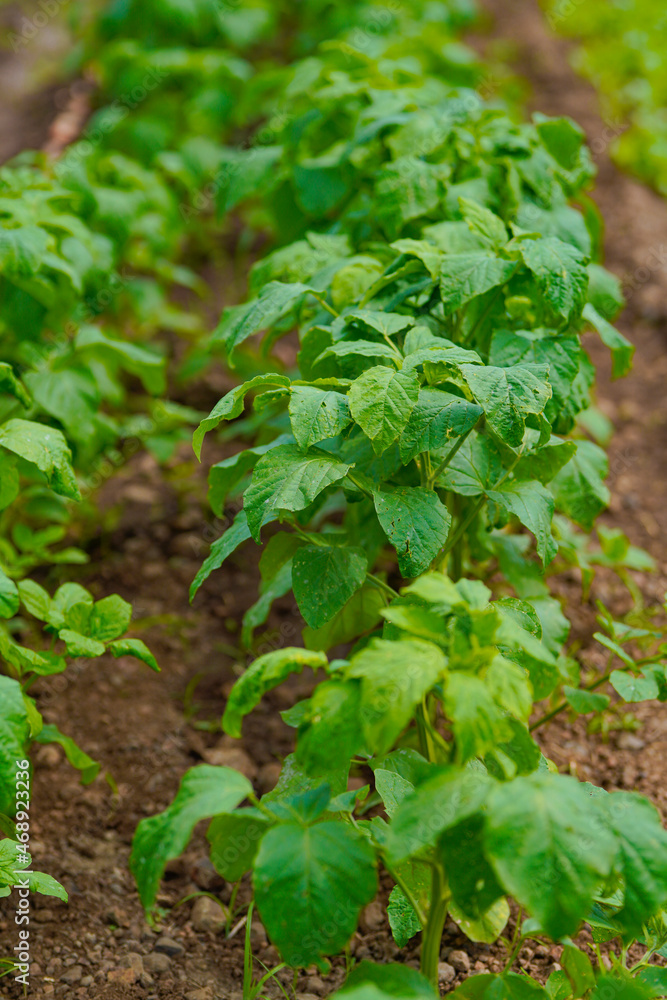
x=426 y=247
x=622 y=50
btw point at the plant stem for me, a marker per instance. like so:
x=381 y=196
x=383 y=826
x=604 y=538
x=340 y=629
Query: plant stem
x=564 y=704
x=482 y=316
x=381 y=585
x=325 y=305
x=446 y=460
x=435 y=925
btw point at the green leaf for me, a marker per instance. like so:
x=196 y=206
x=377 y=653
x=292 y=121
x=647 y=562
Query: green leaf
x=44 y=447
x=110 y=618
x=359 y=348
x=642 y=858
x=475 y=468
x=15 y=736
x=34 y=599
x=250 y=172
x=204 y=791
x=330 y=728
x=12 y=385
x=316 y=415
x=136 y=648
x=621 y=988
x=231 y=405
x=448 y=796
x=224 y=477
x=578 y=968
x=437 y=418
x=77 y=757
x=563 y=137
x=221 y=548
x=533 y=506
x=9 y=597
x=579 y=489
x=324 y=578
x=622 y=350
x=508 y=986
x=416 y=522
x=359 y=615
x=523 y=347
x=9 y=479
x=484 y=929
x=385 y=323
x=392 y=788
x=472 y=881
x=240 y=322
x=262 y=675
x=286 y=479
x=22 y=250
x=381 y=401
x=310 y=884
x=403 y=920
x=234 y=839
x=633 y=689
x=80 y=645
x=584 y=702
x=654 y=978
x=482 y=221
x=405 y=189
x=508 y=395
x=368 y=981
x=560 y=272
x=464 y=276
x=552 y=868
x=394 y=676
x=13 y=860
x=269 y=591
x=478 y=722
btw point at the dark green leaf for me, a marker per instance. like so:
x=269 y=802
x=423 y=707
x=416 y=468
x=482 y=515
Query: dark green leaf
x=324 y=578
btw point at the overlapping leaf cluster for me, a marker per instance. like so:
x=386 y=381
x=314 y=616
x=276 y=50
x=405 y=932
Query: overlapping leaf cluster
x=439 y=281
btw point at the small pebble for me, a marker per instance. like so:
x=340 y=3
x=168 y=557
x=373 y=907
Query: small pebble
x=205 y=993
x=207 y=916
x=446 y=973
x=460 y=960
x=628 y=741
x=168 y=946
x=157 y=962
x=73 y=975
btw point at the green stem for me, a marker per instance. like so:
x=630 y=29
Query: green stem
x=325 y=305
x=564 y=704
x=483 y=315
x=472 y=514
x=446 y=460
x=382 y=585
x=435 y=925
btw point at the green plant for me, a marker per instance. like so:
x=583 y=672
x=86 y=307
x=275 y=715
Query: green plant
x=621 y=50
x=440 y=282
x=77 y=627
x=438 y=709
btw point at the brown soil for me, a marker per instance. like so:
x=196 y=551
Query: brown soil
x=142 y=727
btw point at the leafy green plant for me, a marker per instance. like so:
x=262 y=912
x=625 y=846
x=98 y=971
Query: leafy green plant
x=621 y=51
x=440 y=281
x=78 y=627
x=438 y=708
